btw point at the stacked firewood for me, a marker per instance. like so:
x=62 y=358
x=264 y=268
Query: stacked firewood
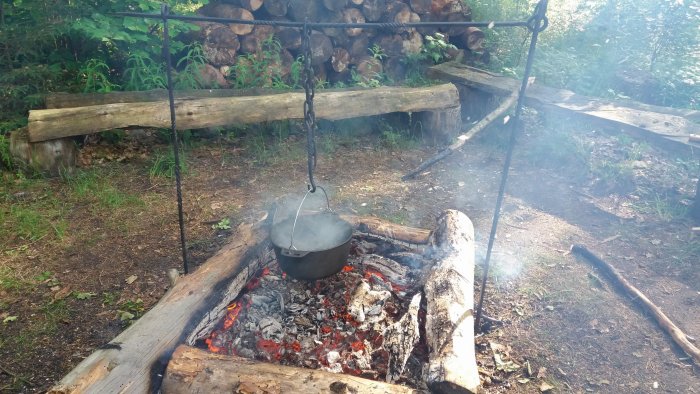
x=336 y=52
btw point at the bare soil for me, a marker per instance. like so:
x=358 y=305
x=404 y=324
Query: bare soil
x=565 y=327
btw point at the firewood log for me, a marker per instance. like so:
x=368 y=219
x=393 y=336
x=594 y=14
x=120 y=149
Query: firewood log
x=449 y=292
x=253 y=42
x=251 y=5
x=353 y=15
x=276 y=7
x=456 y=12
x=231 y=12
x=421 y=6
x=369 y=68
x=373 y=9
x=391 y=44
x=340 y=59
x=335 y=5
x=400 y=338
x=220 y=45
x=397 y=12
x=193 y=370
x=472 y=38
x=321 y=48
x=412 y=43
x=301 y=10
x=358 y=47
x=289 y=37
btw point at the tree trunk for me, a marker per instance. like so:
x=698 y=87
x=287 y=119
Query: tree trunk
x=449 y=291
x=276 y=7
x=200 y=113
x=193 y=370
x=139 y=354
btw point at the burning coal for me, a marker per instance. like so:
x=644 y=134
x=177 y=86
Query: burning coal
x=355 y=322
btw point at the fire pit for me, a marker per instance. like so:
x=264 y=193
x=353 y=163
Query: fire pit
x=394 y=314
x=396 y=319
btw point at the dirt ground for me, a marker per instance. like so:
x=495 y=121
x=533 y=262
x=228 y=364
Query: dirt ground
x=102 y=259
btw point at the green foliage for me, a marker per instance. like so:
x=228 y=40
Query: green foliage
x=223 y=224
x=5 y=156
x=190 y=66
x=144 y=73
x=435 y=48
x=130 y=310
x=377 y=52
x=394 y=139
x=94 y=77
x=76 y=46
x=264 y=69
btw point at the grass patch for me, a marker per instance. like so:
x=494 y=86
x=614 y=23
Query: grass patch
x=92 y=186
x=163 y=165
x=397 y=139
x=10 y=281
x=663 y=207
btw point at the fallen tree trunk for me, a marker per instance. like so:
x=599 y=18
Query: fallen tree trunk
x=193 y=370
x=666 y=324
x=462 y=139
x=134 y=360
x=200 y=113
x=449 y=291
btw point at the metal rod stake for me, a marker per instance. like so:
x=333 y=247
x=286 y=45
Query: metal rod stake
x=164 y=11
x=537 y=23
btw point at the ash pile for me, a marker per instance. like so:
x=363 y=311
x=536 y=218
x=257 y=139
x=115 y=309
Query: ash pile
x=367 y=320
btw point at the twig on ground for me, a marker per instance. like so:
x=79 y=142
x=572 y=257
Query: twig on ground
x=666 y=324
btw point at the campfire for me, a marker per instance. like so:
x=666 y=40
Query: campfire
x=362 y=321
x=397 y=318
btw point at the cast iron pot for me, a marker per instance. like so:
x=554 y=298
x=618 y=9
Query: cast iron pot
x=316 y=247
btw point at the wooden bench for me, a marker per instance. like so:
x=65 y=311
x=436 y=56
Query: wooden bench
x=670 y=128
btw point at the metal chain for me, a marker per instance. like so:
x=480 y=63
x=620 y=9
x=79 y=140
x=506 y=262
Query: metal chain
x=309 y=115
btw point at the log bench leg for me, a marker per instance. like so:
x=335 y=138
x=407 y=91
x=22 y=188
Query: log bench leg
x=440 y=127
x=48 y=158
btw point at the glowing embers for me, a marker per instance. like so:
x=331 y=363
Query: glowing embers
x=339 y=323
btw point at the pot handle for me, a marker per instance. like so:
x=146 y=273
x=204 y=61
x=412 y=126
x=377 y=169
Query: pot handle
x=294 y=226
x=293 y=253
